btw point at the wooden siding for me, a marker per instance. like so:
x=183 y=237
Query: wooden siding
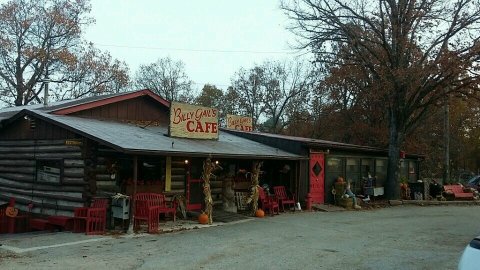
x=138 y=109
x=33 y=129
x=303 y=182
x=18 y=176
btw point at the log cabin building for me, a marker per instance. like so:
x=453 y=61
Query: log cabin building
x=58 y=157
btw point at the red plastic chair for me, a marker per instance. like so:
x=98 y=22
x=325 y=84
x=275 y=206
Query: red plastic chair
x=269 y=203
x=3 y=218
x=281 y=194
x=93 y=219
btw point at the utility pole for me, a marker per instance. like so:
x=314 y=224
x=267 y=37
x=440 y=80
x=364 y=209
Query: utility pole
x=45 y=91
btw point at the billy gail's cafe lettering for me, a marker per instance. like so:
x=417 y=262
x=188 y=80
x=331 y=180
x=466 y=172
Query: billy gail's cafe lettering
x=239 y=122
x=189 y=121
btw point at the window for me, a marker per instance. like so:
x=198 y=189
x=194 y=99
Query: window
x=334 y=168
x=380 y=172
x=403 y=169
x=334 y=165
x=353 y=174
x=367 y=167
x=49 y=170
x=412 y=175
x=152 y=170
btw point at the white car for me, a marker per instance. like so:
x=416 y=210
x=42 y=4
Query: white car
x=471 y=256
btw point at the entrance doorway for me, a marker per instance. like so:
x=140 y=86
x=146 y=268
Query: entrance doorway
x=316 y=192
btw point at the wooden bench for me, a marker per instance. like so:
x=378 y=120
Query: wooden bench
x=149 y=206
x=61 y=222
x=457 y=191
x=40 y=224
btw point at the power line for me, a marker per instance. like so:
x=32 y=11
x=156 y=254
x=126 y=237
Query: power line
x=196 y=50
x=210 y=83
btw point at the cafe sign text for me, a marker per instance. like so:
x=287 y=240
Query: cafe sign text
x=189 y=121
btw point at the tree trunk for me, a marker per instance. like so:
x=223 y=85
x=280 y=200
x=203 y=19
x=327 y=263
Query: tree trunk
x=392 y=188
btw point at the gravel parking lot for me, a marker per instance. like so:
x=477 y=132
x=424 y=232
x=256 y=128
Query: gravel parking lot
x=402 y=237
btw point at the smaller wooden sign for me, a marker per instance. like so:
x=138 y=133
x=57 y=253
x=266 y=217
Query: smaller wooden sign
x=239 y=122
x=73 y=142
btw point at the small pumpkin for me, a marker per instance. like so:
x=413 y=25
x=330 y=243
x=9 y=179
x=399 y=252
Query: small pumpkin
x=203 y=218
x=259 y=213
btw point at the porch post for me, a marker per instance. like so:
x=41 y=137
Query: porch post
x=135 y=176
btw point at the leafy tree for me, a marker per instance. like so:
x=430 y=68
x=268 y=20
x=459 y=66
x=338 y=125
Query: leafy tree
x=167 y=78
x=230 y=102
x=42 y=39
x=210 y=96
x=415 y=52
x=247 y=83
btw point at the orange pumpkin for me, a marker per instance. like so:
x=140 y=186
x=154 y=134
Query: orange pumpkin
x=203 y=218
x=259 y=213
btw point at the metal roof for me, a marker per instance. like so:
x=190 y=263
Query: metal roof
x=306 y=141
x=309 y=142
x=154 y=140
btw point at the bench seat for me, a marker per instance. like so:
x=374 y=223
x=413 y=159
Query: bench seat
x=458 y=192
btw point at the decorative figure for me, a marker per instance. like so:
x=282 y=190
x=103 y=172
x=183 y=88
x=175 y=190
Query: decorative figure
x=349 y=193
x=344 y=195
x=253 y=198
x=180 y=201
x=228 y=195
x=208 y=168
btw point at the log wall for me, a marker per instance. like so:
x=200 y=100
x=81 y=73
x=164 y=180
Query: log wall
x=18 y=176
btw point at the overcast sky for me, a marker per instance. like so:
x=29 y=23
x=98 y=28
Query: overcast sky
x=214 y=38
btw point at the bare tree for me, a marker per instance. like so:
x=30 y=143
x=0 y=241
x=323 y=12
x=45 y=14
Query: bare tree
x=167 y=78
x=284 y=83
x=415 y=52
x=93 y=73
x=269 y=89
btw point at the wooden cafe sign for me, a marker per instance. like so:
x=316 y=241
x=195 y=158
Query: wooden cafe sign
x=239 y=122
x=195 y=122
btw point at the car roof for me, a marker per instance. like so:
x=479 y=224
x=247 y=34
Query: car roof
x=474 y=179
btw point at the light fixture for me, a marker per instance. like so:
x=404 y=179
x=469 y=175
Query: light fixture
x=216 y=162
x=186 y=161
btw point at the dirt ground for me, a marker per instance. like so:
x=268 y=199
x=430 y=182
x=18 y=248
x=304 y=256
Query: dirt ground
x=401 y=237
